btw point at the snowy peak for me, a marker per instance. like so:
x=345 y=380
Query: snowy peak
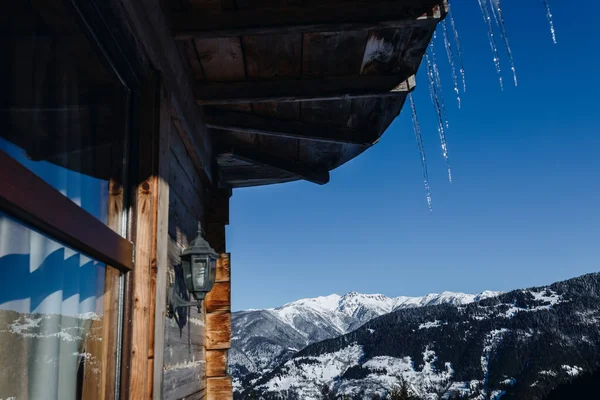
x=262 y=339
x=354 y=304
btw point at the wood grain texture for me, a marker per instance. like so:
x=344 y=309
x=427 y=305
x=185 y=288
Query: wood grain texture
x=191 y=147
x=215 y=234
x=219 y=298
x=318 y=130
x=162 y=241
x=328 y=17
x=224 y=268
x=216 y=363
x=320 y=176
x=183 y=380
x=219 y=388
x=335 y=88
x=218 y=330
x=273 y=57
x=333 y=53
x=153 y=32
x=190 y=51
x=222 y=59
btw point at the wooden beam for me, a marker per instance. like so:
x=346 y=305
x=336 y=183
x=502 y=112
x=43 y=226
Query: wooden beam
x=151 y=27
x=219 y=388
x=318 y=176
x=250 y=123
x=334 y=88
x=218 y=330
x=332 y=17
x=216 y=363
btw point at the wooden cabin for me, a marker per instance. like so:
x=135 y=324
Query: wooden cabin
x=124 y=123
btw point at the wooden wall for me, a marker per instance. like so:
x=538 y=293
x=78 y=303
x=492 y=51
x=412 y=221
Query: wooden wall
x=196 y=349
x=184 y=366
x=218 y=333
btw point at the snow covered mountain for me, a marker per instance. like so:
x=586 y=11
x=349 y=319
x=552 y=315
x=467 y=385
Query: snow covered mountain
x=517 y=345
x=262 y=339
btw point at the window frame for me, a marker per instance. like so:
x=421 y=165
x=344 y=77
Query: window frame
x=21 y=194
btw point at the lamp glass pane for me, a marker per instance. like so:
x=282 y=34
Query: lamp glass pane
x=187 y=273
x=200 y=273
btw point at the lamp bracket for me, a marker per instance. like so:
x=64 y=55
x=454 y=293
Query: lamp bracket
x=176 y=301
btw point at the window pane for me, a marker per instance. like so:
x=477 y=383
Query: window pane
x=58 y=319
x=63 y=112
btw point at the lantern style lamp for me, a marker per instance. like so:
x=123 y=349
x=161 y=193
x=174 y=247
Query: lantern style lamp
x=199 y=265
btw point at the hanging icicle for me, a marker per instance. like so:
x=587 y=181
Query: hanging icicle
x=438 y=82
x=550 y=20
x=485 y=12
x=450 y=55
x=500 y=22
x=436 y=103
x=417 y=129
x=458 y=50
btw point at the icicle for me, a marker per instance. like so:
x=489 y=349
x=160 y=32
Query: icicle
x=549 y=15
x=458 y=50
x=494 y=14
x=438 y=82
x=436 y=103
x=485 y=12
x=417 y=129
x=500 y=22
x=450 y=55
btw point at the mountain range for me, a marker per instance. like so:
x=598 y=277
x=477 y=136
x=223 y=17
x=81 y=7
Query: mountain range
x=516 y=345
x=263 y=339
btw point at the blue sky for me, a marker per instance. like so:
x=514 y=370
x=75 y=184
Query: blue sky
x=523 y=206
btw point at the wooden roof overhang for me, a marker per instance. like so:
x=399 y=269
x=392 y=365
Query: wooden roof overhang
x=293 y=89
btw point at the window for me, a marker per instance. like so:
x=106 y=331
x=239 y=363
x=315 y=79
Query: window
x=63 y=110
x=59 y=313
x=64 y=123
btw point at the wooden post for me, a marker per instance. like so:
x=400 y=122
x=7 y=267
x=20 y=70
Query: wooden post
x=218 y=333
x=161 y=267
x=146 y=206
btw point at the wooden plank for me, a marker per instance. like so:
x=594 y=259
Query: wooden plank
x=215 y=235
x=186 y=344
x=153 y=32
x=218 y=206
x=273 y=57
x=216 y=363
x=244 y=122
x=219 y=388
x=192 y=56
x=146 y=200
x=223 y=268
x=161 y=265
x=218 y=331
x=222 y=59
x=219 y=298
x=294 y=19
x=285 y=110
x=333 y=53
x=318 y=176
x=334 y=88
x=183 y=380
x=183 y=177
x=191 y=149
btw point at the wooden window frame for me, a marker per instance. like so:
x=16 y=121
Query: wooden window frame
x=38 y=204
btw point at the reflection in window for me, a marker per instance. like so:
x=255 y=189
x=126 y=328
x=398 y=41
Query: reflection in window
x=58 y=319
x=63 y=111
